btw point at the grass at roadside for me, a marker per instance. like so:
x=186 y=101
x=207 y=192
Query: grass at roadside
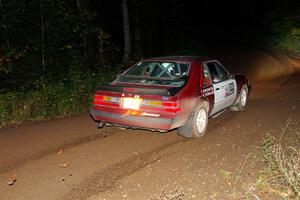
x=283 y=168
x=52 y=99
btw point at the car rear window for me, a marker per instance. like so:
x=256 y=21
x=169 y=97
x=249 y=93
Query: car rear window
x=159 y=69
x=157 y=73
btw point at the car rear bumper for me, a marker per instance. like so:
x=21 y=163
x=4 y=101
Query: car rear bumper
x=143 y=122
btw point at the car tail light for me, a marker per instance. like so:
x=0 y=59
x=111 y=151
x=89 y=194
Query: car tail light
x=170 y=106
x=109 y=101
x=102 y=100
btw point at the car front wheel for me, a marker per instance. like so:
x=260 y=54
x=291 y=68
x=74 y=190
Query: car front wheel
x=241 y=101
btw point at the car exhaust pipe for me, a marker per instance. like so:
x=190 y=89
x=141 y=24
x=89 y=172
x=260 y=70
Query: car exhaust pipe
x=100 y=124
x=162 y=131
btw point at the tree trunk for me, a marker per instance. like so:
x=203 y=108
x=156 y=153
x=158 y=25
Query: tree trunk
x=85 y=36
x=78 y=5
x=137 y=37
x=127 y=49
x=3 y=19
x=42 y=34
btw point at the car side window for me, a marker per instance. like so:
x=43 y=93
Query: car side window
x=206 y=76
x=213 y=72
x=217 y=72
x=221 y=71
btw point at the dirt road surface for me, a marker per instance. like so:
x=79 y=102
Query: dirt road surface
x=70 y=159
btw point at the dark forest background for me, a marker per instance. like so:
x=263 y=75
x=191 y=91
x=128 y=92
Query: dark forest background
x=54 y=53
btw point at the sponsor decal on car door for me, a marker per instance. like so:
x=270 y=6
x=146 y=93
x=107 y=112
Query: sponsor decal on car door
x=220 y=100
x=224 y=86
x=230 y=92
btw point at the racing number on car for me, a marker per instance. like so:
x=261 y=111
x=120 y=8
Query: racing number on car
x=229 y=89
x=208 y=91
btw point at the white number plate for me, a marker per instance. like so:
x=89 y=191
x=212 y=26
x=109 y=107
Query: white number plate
x=131 y=103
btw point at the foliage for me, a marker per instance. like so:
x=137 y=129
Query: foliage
x=287 y=32
x=52 y=99
x=53 y=54
x=42 y=38
x=284 y=164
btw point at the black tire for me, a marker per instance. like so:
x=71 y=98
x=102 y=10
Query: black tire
x=192 y=128
x=241 y=102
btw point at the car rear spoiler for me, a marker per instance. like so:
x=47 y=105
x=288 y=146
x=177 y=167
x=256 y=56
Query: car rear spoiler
x=140 y=90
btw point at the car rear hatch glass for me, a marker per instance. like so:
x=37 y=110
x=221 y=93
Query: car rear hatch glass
x=159 y=73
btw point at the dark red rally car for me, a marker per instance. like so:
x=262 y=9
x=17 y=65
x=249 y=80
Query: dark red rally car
x=166 y=93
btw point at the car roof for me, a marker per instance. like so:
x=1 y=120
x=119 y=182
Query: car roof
x=180 y=58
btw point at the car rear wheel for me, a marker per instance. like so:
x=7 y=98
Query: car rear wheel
x=241 y=101
x=197 y=124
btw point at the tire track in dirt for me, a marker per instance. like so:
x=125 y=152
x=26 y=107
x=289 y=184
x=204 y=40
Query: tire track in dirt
x=21 y=162
x=108 y=178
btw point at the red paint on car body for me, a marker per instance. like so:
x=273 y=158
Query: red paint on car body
x=163 y=107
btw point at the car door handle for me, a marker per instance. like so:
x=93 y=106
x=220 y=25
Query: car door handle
x=217 y=88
